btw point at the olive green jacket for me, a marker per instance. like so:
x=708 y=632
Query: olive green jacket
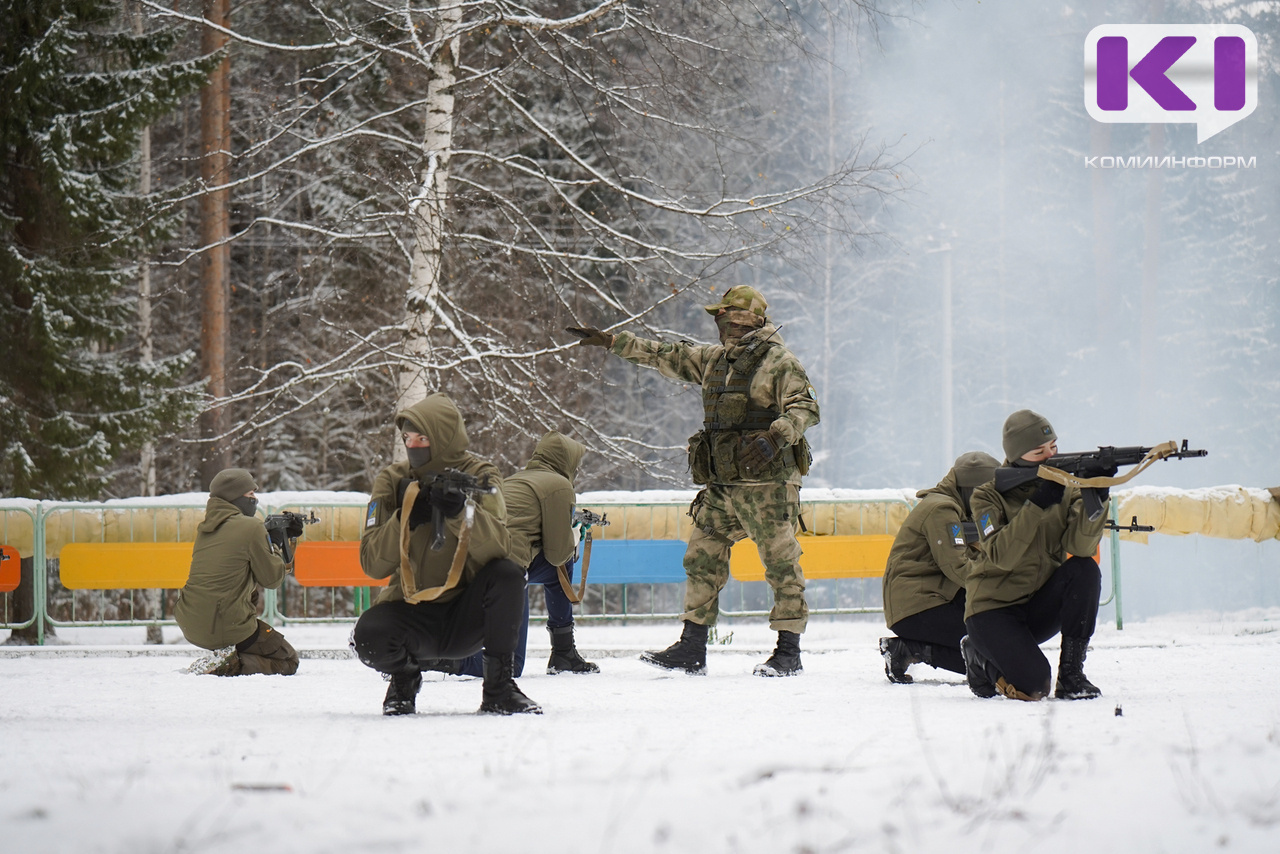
x=929 y=560
x=438 y=419
x=779 y=381
x=540 y=502
x=1021 y=545
x=217 y=606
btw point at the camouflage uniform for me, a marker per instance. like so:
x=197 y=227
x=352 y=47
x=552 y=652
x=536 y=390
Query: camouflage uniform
x=763 y=504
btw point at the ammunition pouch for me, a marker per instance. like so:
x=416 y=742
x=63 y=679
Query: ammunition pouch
x=803 y=455
x=700 y=468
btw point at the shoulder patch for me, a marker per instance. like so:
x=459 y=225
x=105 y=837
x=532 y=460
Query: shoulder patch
x=984 y=525
x=813 y=395
x=371 y=515
x=957 y=534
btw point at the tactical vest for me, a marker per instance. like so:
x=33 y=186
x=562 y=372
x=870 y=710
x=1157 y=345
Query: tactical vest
x=728 y=416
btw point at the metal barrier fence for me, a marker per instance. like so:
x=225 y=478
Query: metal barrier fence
x=41 y=531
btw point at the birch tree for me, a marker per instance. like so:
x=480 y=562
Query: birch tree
x=517 y=170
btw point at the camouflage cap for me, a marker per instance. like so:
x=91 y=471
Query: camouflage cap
x=230 y=484
x=975 y=468
x=744 y=297
x=1025 y=431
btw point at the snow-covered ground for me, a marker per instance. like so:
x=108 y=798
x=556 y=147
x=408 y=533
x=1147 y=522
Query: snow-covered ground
x=106 y=753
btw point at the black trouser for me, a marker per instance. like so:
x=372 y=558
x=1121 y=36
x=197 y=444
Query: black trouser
x=395 y=636
x=559 y=612
x=941 y=628
x=1010 y=637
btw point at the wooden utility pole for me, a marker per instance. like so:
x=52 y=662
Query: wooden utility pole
x=215 y=236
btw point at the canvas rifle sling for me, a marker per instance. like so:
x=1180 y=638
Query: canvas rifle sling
x=408 y=585
x=566 y=582
x=1159 y=452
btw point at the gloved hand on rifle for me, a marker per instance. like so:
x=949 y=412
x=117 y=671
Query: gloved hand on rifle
x=758 y=451
x=591 y=337
x=1098 y=469
x=435 y=495
x=278 y=538
x=295 y=528
x=1047 y=494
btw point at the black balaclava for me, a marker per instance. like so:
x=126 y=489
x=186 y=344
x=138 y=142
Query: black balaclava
x=246 y=504
x=418 y=457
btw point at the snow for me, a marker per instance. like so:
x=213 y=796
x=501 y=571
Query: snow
x=108 y=747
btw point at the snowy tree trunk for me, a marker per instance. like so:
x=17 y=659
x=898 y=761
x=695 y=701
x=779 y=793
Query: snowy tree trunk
x=215 y=233
x=152 y=598
x=427 y=212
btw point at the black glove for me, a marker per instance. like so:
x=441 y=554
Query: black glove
x=1047 y=494
x=1098 y=469
x=295 y=528
x=758 y=452
x=591 y=337
x=421 y=513
x=277 y=537
x=450 y=504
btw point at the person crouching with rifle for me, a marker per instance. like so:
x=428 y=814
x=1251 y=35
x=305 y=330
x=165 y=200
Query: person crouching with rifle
x=1033 y=577
x=218 y=606
x=436 y=526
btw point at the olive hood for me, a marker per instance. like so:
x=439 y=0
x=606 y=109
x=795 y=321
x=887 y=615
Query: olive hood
x=437 y=417
x=558 y=453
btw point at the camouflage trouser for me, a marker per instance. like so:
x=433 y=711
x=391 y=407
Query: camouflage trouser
x=723 y=515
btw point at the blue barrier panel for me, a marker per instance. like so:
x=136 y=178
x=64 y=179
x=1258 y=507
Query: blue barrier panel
x=636 y=562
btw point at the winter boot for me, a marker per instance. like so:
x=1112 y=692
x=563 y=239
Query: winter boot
x=501 y=694
x=402 y=693
x=217 y=662
x=900 y=654
x=785 y=660
x=975 y=668
x=688 y=654
x=1072 y=683
x=564 y=655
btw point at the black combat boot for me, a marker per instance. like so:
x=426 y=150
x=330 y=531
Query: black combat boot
x=1072 y=683
x=975 y=670
x=688 y=654
x=564 y=655
x=402 y=693
x=900 y=654
x=501 y=694
x=785 y=660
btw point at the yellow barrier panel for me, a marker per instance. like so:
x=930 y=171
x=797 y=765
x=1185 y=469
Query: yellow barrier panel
x=124 y=566
x=825 y=556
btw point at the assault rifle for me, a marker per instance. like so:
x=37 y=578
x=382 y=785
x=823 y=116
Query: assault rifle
x=1132 y=527
x=453 y=484
x=1086 y=468
x=284 y=526
x=586 y=519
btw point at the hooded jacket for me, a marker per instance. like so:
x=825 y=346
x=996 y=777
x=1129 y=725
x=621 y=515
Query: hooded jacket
x=929 y=561
x=1021 y=545
x=779 y=381
x=231 y=556
x=439 y=420
x=540 y=501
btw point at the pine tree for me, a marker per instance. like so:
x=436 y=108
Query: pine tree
x=77 y=86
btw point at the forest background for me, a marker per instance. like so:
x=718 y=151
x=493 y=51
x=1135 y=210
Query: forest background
x=248 y=243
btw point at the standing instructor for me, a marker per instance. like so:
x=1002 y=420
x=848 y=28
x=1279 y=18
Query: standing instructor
x=749 y=458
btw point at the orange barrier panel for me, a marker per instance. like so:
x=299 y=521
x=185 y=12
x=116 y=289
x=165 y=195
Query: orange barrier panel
x=124 y=566
x=825 y=556
x=10 y=570
x=332 y=564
